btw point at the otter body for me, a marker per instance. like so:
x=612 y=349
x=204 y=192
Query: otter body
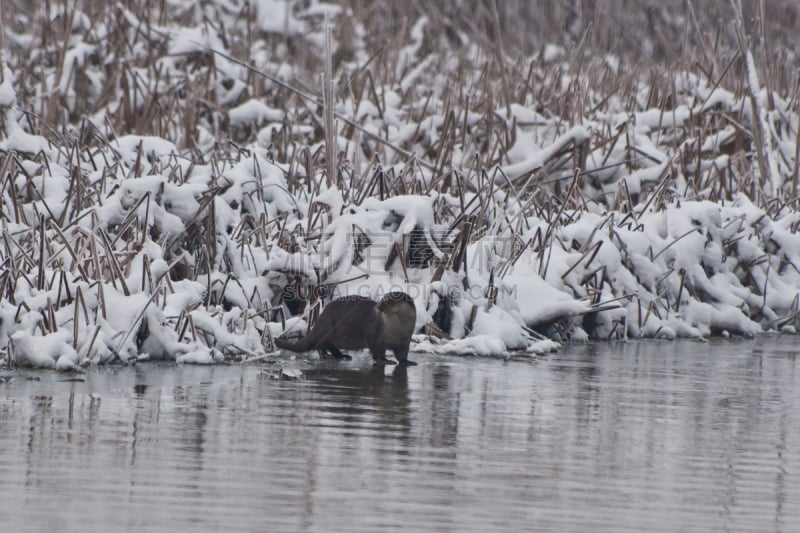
x=356 y=322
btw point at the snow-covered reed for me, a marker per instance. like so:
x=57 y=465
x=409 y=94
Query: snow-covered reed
x=166 y=191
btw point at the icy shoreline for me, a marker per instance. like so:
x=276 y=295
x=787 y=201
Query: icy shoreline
x=627 y=221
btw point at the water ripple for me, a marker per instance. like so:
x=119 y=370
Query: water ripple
x=610 y=437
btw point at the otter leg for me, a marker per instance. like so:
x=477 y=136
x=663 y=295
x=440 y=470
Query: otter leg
x=338 y=354
x=379 y=356
x=334 y=352
x=402 y=357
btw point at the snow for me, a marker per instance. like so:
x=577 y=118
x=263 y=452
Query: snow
x=255 y=113
x=276 y=16
x=538 y=157
x=46 y=351
x=553 y=52
x=484 y=345
x=481 y=345
x=19 y=140
x=538 y=301
x=8 y=96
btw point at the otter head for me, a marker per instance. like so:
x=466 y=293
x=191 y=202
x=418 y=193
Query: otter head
x=394 y=299
x=398 y=315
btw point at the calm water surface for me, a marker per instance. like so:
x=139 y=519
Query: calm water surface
x=643 y=436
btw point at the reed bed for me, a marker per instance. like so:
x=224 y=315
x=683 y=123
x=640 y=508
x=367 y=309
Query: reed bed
x=186 y=181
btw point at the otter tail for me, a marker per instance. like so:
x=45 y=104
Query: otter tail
x=303 y=345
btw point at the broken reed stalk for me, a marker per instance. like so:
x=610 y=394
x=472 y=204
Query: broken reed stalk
x=796 y=169
x=328 y=104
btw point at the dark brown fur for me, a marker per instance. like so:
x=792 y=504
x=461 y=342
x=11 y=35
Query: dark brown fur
x=356 y=322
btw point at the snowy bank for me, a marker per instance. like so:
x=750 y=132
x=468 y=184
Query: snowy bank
x=200 y=234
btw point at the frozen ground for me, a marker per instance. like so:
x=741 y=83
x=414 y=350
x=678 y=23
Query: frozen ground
x=166 y=194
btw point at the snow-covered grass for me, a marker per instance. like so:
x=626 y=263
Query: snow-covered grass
x=165 y=194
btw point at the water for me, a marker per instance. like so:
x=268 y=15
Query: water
x=654 y=436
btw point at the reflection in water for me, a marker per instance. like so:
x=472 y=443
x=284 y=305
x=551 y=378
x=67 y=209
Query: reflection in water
x=636 y=436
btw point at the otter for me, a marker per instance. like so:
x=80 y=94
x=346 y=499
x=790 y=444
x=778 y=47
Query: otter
x=357 y=322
